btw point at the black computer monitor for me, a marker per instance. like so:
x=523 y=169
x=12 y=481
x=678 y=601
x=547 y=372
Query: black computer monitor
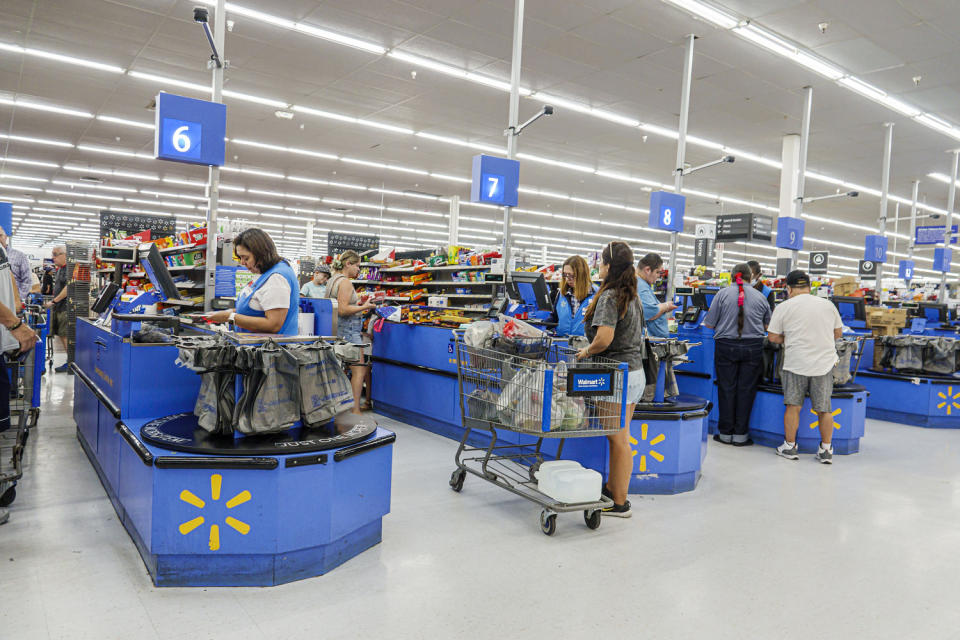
x=850 y=307
x=531 y=288
x=934 y=311
x=708 y=293
x=156 y=270
x=106 y=296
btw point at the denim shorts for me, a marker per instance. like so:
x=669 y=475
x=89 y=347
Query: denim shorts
x=819 y=388
x=635 y=385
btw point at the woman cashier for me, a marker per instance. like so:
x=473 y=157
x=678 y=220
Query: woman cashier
x=271 y=302
x=574 y=295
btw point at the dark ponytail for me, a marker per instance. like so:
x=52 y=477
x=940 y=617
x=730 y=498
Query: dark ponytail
x=739 y=273
x=621 y=277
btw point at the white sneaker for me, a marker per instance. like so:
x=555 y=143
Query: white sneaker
x=825 y=456
x=4 y=515
x=790 y=452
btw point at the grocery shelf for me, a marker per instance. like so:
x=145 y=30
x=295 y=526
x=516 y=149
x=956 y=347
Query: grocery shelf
x=183 y=247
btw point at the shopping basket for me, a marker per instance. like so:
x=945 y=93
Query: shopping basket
x=538 y=389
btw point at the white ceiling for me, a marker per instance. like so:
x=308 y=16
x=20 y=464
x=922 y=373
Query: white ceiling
x=618 y=55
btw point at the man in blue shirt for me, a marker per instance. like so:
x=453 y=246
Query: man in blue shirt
x=649 y=270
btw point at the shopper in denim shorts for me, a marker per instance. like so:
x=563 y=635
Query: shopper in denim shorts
x=808 y=327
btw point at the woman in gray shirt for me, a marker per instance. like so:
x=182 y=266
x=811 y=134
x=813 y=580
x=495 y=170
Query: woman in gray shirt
x=614 y=326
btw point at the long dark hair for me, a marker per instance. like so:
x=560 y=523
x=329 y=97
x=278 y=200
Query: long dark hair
x=756 y=273
x=742 y=270
x=260 y=245
x=621 y=278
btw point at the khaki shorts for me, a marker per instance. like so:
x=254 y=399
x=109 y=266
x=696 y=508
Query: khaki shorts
x=819 y=388
x=61 y=320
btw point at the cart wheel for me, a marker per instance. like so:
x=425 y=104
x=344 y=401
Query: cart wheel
x=456 y=480
x=8 y=497
x=592 y=518
x=548 y=523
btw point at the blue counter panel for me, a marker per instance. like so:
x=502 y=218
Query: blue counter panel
x=86 y=414
x=919 y=401
x=849 y=415
x=417 y=345
x=667 y=454
x=701 y=356
x=422 y=398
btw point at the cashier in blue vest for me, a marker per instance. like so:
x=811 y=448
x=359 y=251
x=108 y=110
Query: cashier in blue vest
x=270 y=303
x=573 y=296
x=649 y=270
x=756 y=282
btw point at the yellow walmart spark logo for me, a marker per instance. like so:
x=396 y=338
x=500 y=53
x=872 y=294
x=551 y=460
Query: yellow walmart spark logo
x=949 y=400
x=215 y=481
x=816 y=423
x=654 y=442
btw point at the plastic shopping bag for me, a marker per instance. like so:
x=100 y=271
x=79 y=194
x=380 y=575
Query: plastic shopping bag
x=270 y=401
x=324 y=387
x=940 y=356
x=213 y=359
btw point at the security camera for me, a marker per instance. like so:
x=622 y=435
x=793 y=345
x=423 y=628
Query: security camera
x=853 y=194
x=547 y=110
x=729 y=159
x=201 y=15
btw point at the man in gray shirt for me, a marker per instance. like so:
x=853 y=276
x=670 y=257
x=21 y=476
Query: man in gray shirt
x=739 y=317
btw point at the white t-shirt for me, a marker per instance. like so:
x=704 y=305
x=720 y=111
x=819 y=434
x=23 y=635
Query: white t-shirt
x=806 y=323
x=274 y=294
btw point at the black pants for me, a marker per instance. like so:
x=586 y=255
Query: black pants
x=4 y=393
x=739 y=364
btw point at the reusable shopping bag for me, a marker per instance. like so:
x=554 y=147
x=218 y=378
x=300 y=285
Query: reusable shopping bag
x=940 y=356
x=841 y=371
x=213 y=359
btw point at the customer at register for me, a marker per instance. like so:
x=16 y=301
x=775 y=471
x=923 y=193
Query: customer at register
x=614 y=322
x=271 y=302
x=573 y=296
x=317 y=286
x=350 y=319
x=649 y=270
x=757 y=282
x=739 y=317
x=15 y=337
x=808 y=327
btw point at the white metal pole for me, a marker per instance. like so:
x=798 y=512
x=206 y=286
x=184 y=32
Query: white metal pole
x=454 y=229
x=513 y=117
x=884 y=193
x=913 y=223
x=943 y=298
x=213 y=184
x=802 y=167
x=309 y=251
x=681 y=154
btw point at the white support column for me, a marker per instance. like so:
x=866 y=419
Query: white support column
x=913 y=223
x=884 y=193
x=453 y=236
x=513 y=117
x=790 y=205
x=543 y=256
x=951 y=195
x=681 y=154
x=309 y=250
x=213 y=183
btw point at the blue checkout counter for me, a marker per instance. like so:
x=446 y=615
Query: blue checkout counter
x=209 y=510
x=415 y=381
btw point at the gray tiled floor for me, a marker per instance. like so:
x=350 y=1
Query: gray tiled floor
x=764 y=548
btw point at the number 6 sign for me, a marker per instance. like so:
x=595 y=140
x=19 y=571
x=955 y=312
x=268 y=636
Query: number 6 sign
x=666 y=211
x=189 y=130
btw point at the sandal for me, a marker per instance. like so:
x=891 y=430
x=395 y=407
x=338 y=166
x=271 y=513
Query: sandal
x=366 y=405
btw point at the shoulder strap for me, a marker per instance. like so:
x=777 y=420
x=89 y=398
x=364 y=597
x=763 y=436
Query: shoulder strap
x=333 y=285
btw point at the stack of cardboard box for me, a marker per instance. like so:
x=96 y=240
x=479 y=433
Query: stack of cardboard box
x=884 y=322
x=844 y=286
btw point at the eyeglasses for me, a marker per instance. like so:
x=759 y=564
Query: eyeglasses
x=569 y=276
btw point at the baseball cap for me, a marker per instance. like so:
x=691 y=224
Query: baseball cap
x=323 y=269
x=798 y=278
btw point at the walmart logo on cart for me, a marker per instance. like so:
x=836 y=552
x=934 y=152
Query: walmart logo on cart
x=591 y=383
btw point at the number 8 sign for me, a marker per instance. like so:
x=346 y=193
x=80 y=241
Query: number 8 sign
x=666 y=211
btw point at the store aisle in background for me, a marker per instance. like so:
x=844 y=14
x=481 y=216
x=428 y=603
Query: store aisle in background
x=763 y=548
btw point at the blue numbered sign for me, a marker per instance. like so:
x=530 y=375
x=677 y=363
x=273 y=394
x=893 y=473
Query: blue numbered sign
x=875 y=249
x=942 y=259
x=666 y=210
x=189 y=130
x=790 y=233
x=906 y=269
x=495 y=181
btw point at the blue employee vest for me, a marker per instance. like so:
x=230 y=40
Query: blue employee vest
x=766 y=291
x=290 y=325
x=568 y=323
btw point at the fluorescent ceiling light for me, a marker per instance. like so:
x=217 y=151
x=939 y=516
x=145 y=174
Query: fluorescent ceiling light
x=30 y=163
x=10 y=176
x=4 y=46
x=276 y=147
x=125 y=122
x=31 y=140
x=270 y=102
x=343 y=118
x=707 y=12
x=18 y=187
x=28 y=104
x=150 y=77
x=863 y=88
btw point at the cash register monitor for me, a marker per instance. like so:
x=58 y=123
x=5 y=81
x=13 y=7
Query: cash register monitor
x=934 y=311
x=156 y=269
x=530 y=288
x=850 y=307
x=106 y=296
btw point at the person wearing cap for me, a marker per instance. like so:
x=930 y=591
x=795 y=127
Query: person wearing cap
x=757 y=283
x=738 y=316
x=317 y=288
x=808 y=327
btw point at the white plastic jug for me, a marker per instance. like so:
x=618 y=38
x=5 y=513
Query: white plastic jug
x=568 y=482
